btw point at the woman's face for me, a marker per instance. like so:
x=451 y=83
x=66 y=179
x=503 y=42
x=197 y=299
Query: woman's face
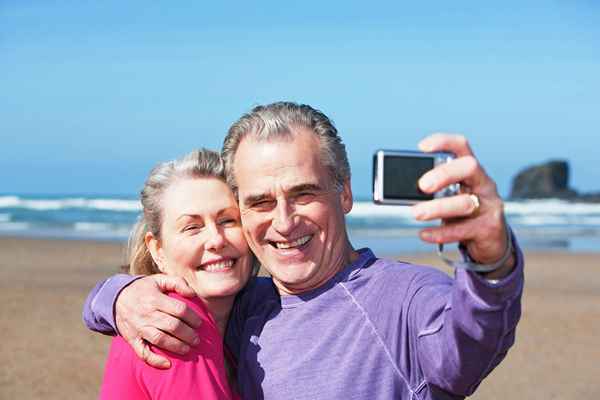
x=201 y=238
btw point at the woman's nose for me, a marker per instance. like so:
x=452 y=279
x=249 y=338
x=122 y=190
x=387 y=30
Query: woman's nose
x=216 y=239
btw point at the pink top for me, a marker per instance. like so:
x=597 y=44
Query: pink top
x=200 y=374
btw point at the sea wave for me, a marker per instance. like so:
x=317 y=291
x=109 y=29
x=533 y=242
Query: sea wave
x=104 y=204
x=92 y=226
x=364 y=209
x=551 y=206
x=520 y=208
x=14 y=226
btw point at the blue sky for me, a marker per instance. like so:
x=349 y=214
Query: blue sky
x=92 y=94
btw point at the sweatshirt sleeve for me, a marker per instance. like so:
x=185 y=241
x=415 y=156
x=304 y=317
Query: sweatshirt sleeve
x=98 y=309
x=464 y=328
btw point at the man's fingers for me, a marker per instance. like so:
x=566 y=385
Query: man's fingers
x=164 y=341
x=142 y=349
x=179 y=310
x=457 y=144
x=464 y=169
x=174 y=284
x=450 y=232
x=448 y=207
x=175 y=327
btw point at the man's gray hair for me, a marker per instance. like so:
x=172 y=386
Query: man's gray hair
x=267 y=122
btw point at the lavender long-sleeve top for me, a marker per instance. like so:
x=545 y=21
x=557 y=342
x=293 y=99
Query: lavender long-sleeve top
x=379 y=329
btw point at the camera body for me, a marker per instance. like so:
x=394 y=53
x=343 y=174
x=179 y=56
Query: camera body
x=396 y=174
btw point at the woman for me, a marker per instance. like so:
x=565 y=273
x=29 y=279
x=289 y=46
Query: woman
x=190 y=228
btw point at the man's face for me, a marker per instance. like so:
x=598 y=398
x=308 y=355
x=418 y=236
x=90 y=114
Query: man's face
x=292 y=216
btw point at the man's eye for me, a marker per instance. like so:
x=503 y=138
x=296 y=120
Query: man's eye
x=305 y=197
x=262 y=205
x=192 y=228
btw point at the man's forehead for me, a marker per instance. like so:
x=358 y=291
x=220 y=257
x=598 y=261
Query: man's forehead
x=268 y=166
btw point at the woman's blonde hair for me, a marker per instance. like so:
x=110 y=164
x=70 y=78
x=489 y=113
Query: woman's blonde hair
x=200 y=163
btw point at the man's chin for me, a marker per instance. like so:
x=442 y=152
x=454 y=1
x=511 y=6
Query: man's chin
x=293 y=278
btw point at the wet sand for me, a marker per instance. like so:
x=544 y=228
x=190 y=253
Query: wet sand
x=48 y=353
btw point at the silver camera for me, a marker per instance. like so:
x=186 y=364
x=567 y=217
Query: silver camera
x=396 y=174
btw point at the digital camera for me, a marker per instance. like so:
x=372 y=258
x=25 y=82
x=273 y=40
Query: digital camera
x=396 y=174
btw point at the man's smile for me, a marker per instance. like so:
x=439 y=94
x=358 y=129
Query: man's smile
x=294 y=244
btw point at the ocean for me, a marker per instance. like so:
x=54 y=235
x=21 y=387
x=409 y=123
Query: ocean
x=388 y=230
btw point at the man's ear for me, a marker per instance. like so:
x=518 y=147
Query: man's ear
x=346 y=197
x=154 y=245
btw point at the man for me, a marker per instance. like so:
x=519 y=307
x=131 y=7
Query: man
x=337 y=322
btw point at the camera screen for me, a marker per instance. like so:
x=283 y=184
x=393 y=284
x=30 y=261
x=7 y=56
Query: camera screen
x=401 y=174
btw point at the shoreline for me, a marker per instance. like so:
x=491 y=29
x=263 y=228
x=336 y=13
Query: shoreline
x=50 y=353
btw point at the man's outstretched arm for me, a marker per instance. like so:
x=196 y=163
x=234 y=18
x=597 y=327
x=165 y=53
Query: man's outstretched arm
x=142 y=314
x=464 y=329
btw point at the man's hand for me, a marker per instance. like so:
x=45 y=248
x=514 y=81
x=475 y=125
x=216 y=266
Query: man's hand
x=482 y=230
x=145 y=315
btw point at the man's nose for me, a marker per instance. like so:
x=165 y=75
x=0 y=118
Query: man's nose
x=216 y=239
x=283 y=220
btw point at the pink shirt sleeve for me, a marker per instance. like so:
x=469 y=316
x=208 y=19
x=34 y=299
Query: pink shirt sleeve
x=199 y=374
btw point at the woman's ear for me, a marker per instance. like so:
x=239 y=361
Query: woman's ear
x=346 y=198
x=154 y=245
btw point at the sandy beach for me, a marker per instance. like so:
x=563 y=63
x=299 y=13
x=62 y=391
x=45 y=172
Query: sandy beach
x=49 y=354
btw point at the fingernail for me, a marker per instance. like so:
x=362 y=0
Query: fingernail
x=185 y=349
x=196 y=341
x=417 y=213
x=426 y=182
x=426 y=235
x=424 y=145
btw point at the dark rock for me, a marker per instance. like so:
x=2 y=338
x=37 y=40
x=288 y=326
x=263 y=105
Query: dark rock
x=548 y=180
x=589 y=197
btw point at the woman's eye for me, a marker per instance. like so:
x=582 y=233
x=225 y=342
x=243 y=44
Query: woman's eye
x=229 y=222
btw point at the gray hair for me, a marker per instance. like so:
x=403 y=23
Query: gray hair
x=267 y=122
x=201 y=163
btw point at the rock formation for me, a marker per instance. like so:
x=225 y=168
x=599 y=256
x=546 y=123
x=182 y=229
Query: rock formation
x=548 y=180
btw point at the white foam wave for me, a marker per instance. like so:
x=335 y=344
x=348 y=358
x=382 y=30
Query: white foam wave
x=567 y=220
x=75 y=202
x=91 y=226
x=364 y=209
x=551 y=206
x=531 y=207
x=8 y=201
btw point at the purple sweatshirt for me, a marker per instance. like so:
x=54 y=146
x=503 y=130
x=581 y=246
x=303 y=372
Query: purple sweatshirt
x=379 y=329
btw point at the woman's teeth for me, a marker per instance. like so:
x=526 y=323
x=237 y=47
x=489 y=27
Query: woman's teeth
x=218 y=266
x=298 y=242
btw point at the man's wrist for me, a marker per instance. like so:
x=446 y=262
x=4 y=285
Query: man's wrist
x=130 y=279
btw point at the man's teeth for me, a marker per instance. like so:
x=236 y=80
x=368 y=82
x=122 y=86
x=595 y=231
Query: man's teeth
x=295 y=243
x=219 y=266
